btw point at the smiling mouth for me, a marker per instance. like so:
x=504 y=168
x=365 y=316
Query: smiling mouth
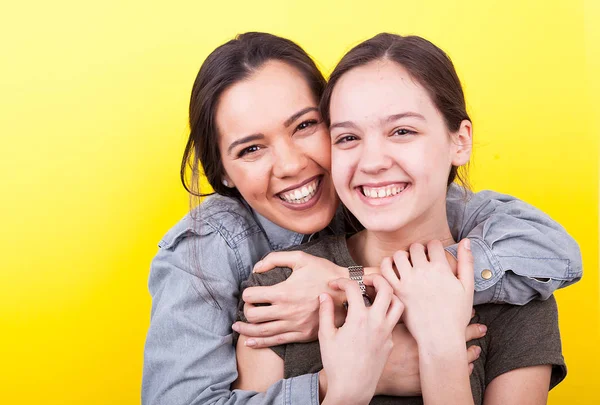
x=302 y=194
x=389 y=190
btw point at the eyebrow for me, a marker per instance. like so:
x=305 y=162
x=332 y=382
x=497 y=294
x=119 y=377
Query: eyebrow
x=395 y=117
x=299 y=114
x=391 y=118
x=249 y=138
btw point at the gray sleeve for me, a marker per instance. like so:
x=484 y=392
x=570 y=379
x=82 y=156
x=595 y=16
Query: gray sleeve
x=189 y=357
x=520 y=253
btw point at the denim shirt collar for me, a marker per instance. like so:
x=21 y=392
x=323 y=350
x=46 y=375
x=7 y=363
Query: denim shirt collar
x=279 y=238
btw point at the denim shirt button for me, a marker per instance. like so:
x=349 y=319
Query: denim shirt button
x=486 y=274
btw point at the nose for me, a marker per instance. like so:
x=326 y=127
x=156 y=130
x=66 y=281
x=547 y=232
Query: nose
x=374 y=158
x=289 y=159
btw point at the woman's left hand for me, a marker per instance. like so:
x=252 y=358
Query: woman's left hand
x=293 y=315
x=438 y=304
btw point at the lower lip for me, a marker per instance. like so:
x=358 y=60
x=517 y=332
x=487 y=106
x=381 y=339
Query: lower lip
x=307 y=205
x=376 y=202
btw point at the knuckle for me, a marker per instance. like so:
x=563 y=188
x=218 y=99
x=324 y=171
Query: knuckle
x=250 y=314
x=264 y=330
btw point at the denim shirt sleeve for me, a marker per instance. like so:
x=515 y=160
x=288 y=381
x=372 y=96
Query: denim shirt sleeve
x=189 y=358
x=520 y=253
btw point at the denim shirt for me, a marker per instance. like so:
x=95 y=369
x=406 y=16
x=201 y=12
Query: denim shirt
x=520 y=254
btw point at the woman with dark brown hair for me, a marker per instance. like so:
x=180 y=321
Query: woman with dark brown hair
x=257 y=135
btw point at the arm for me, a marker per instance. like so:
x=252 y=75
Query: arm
x=249 y=361
x=527 y=385
x=437 y=306
x=189 y=358
x=530 y=252
x=524 y=357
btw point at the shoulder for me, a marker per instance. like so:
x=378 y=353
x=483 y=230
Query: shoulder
x=220 y=217
x=514 y=316
x=326 y=247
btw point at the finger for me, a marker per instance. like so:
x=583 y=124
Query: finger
x=473 y=313
x=267 y=329
x=387 y=271
x=281 y=339
x=475 y=331
x=262 y=313
x=465 y=272
x=356 y=303
x=262 y=294
x=473 y=353
x=403 y=265
x=279 y=259
x=471 y=367
x=394 y=312
x=417 y=255
x=326 y=314
x=383 y=296
x=436 y=252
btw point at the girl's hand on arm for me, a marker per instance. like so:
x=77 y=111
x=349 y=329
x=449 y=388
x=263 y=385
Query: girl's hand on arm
x=438 y=307
x=355 y=354
x=293 y=315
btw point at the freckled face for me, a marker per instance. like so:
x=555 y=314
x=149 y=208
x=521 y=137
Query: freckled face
x=276 y=150
x=391 y=153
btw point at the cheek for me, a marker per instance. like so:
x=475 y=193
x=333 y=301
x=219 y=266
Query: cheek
x=342 y=163
x=430 y=165
x=318 y=149
x=250 y=178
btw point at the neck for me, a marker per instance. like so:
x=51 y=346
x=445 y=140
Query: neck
x=369 y=248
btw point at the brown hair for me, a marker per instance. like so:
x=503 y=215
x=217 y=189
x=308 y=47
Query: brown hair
x=426 y=63
x=227 y=65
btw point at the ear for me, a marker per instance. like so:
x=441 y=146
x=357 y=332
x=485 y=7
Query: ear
x=227 y=181
x=462 y=141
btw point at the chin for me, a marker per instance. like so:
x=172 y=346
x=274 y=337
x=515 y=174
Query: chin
x=310 y=225
x=375 y=223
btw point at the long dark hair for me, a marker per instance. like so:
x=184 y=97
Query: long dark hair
x=228 y=64
x=426 y=63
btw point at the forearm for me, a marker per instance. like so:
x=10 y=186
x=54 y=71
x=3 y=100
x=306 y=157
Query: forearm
x=189 y=358
x=510 y=235
x=445 y=373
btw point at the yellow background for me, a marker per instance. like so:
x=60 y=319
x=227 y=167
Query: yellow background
x=93 y=104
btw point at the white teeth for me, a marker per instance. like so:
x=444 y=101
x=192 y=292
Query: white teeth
x=381 y=192
x=302 y=194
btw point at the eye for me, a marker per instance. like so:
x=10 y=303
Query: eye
x=346 y=139
x=403 y=132
x=249 y=150
x=306 y=124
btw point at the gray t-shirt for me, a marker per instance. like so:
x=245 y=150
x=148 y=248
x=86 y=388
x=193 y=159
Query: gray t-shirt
x=518 y=336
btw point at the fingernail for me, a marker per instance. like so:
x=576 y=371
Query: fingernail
x=482 y=328
x=256 y=266
x=250 y=343
x=467 y=244
x=478 y=350
x=322 y=297
x=235 y=327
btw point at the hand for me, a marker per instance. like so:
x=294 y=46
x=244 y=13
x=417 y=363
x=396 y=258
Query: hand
x=401 y=376
x=437 y=302
x=293 y=315
x=355 y=354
